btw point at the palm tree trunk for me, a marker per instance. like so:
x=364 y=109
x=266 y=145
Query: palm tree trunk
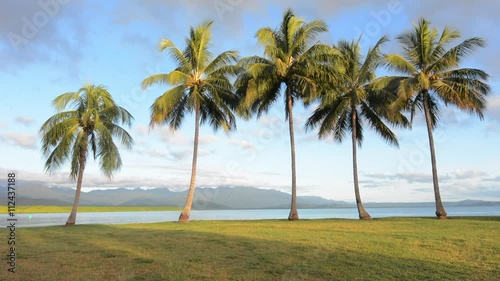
x=294 y=215
x=363 y=214
x=72 y=216
x=184 y=217
x=440 y=212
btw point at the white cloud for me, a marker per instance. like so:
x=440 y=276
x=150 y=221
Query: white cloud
x=176 y=179
x=272 y=121
x=457 y=176
x=207 y=139
x=180 y=154
x=164 y=153
x=203 y=152
x=156 y=152
x=452 y=117
x=164 y=133
x=142 y=130
x=243 y=144
x=170 y=137
x=493 y=109
x=379 y=180
x=19 y=139
x=25 y=120
x=467 y=174
x=494 y=179
x=456 y=185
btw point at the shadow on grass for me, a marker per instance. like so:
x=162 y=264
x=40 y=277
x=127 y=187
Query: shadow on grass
x=106 y=252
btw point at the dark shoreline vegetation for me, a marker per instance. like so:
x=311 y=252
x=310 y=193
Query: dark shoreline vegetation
x=460 y=248
x=67 y=209
x=216 y=88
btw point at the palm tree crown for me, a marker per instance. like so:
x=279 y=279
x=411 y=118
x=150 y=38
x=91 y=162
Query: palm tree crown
x=290 y=58
x=89 y=127
x=431 y=76
x=353 y=95
x=199 y=83
x=432 y=72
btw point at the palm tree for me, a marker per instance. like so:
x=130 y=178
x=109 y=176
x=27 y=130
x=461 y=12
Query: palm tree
x=431 y=76
x=350 y=100
x=86 y=122
x=200 y=84
x=290 y=60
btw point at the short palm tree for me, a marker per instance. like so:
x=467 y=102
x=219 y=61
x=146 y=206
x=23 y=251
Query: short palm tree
x=352 y=99
x=290 y=60
x=431 y=77
x=86 y=122
x=200 y=84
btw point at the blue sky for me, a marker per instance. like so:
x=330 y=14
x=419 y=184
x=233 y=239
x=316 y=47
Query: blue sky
x=49 y=47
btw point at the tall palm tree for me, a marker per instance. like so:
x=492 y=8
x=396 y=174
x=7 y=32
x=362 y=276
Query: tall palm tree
x=431 y=76
x=351 y=99
x=200 y=84
x=85 y=123
x=290 y=61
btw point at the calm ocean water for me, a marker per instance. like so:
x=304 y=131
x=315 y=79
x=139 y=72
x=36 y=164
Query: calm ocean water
x=33 y=220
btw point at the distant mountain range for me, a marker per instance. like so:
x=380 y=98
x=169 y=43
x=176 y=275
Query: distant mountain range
x=224 y=197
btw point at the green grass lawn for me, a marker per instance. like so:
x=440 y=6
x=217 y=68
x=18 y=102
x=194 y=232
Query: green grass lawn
x=380 y=249
x=82 y=209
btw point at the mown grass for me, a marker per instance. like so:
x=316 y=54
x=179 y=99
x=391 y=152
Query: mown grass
x=380 y=249
x=81 y=209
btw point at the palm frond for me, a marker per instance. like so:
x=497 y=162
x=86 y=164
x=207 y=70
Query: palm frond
x=73 y=134
x=433 y=110
x=247 y=62
x=218 y=115
x=58 y=150
x=358 y=126
x=303 y=37
x=176 y=54
x=466 y=94
x=201 y=42
x=166 y=104
x=173 y=78
x=120 y=133
x=378 y=125
x=447 y=36
x=266 y=37
x=66 y=99
x=224 y=59
x=107 y=151
x=453 y=57
x=372 y=60
x=399 y=64
x=78 y=153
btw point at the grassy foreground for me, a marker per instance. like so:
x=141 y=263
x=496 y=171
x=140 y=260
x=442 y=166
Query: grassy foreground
x=82 y=209
x=381 y=249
